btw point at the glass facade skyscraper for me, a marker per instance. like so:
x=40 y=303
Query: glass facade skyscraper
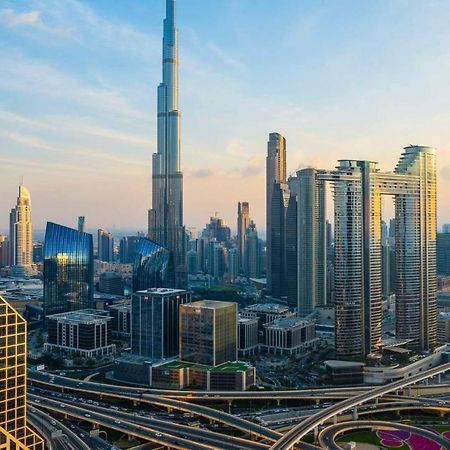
x=153 y=266
x=68 y=270
x=312 y=245
x=154 y=322
x=165 y=219
x=208 y=332
x=14 y=433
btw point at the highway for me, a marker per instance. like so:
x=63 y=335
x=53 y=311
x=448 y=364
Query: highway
x=324 y=393
x=47 y=425
x=217 y=440
x=294 y=436
x=327 y=438
x=109 y=420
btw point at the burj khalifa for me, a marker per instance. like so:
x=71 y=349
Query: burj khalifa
x=165 y=219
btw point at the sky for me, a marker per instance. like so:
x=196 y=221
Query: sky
x=345 y=79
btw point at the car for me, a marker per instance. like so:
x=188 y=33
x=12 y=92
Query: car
x=158 y=434
x=53 y=422
x=87 y=415
x=118 y=422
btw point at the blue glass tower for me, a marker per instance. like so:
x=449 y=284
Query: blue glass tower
x=153 y=266
x=68 y=269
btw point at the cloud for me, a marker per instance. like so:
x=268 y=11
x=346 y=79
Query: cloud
x=12 y=18
x=26 y=75
x=224 y=57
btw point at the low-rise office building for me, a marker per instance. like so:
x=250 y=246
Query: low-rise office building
x=290 y=336
x=121 y=319
x=247 y=336
x=86 y=332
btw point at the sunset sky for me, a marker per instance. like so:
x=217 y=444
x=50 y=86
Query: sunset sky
x=339 y=79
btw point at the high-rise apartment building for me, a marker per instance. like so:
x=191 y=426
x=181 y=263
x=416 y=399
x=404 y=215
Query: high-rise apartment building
x=243 y=222
x=275 y=174
x=165 y=219
x=68 y=270
x=14 y=433
x=155 y=322
x=208 y=332
x=105 y=246
x=358 y=187
x=21 y=233
x=312 y=241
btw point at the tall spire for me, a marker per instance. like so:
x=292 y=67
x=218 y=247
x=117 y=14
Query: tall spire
x=165 y=220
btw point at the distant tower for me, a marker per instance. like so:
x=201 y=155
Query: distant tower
x=21 y=232
x=165 y=219
x=243 y=222
x=275 y=173
x=81 y=223
x=105 y=246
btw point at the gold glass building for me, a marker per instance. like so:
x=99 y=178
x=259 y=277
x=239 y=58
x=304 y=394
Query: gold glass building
x=14 y=433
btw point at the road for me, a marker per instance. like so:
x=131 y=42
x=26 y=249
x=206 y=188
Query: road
x=109 y=420
x=324 y=393
x=327 y=438
x=294 y=436
x=208 y=437
x=67 y=440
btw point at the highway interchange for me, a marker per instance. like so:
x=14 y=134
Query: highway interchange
x=65 y=397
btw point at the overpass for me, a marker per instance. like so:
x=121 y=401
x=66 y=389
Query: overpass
x=327 y=438
x=294 y=436
x=324 y=393
x=217 y=440
x=55 y=432
x=110 y=421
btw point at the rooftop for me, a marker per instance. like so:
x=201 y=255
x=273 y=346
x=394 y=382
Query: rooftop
x=288 y=322
x=268 y=308
x=85 y=316
x=230 y=366
x=162 y=291
x=209 y=304
x=335 y=364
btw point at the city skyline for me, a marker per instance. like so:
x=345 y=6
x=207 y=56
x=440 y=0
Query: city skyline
x=337 y=98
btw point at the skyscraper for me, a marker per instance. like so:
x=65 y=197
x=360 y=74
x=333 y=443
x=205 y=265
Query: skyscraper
x=68 y=270
x=358 y=187
x=243 y=222
x=81 y=223
x=312 y=245
x=208 y=332
x=276 y=258
x=105 y=246
x=165 y=219
x=253 y=250
x=14 y=433
x=154 y=322
x=21 y=233
x=275 y=173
